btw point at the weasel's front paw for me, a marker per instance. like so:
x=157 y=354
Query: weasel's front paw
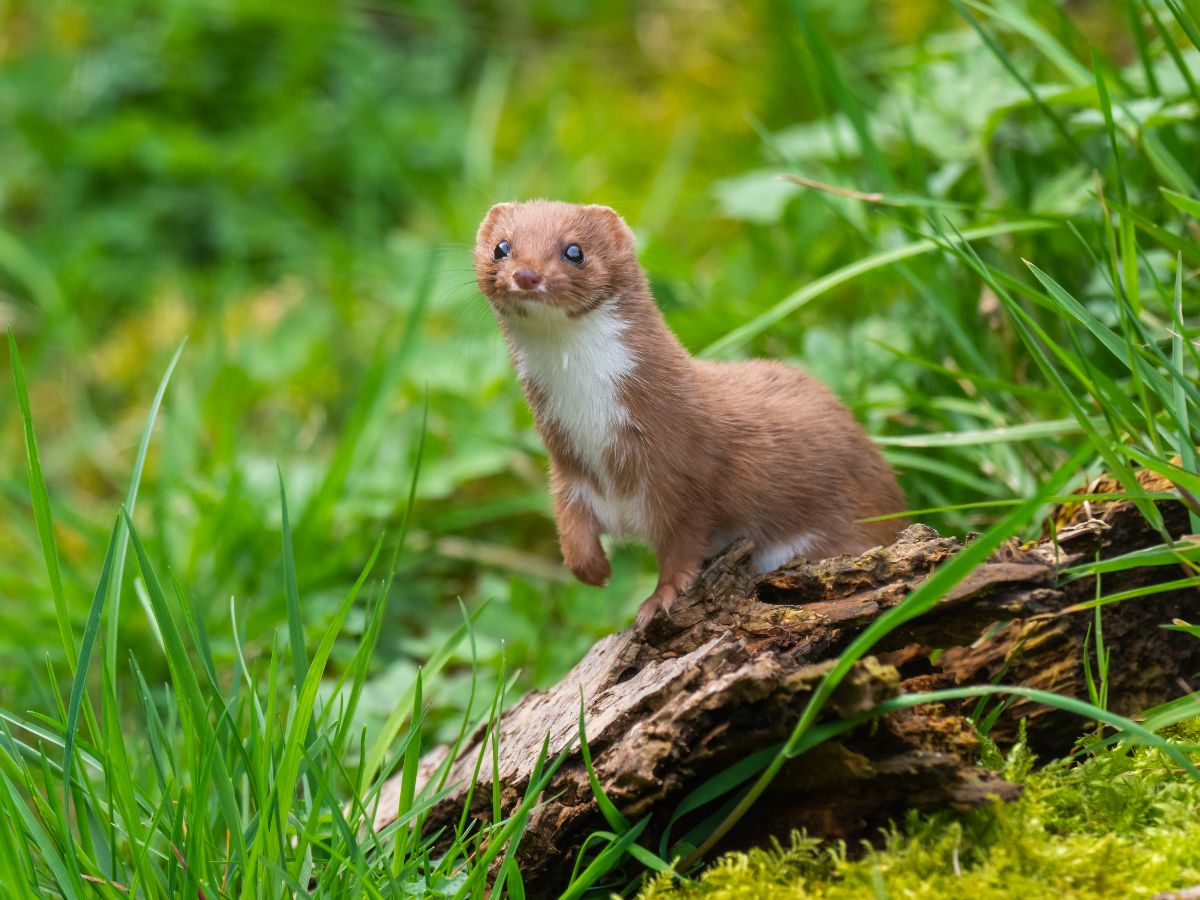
x=658 y=602
x=594 y=570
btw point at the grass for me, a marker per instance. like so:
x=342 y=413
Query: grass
x=340 y=531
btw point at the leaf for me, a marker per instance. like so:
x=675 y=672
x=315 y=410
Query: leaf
x=758 y=197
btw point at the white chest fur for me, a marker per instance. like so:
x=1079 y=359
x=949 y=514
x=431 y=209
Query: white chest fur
x=577 y=366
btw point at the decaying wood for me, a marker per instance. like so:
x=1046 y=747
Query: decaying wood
x=733 y=667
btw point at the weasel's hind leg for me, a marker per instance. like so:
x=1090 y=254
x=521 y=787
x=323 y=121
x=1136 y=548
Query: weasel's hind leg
x=679 y=559
x=772 y=555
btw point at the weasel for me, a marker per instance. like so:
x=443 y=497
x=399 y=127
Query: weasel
x=647 y=442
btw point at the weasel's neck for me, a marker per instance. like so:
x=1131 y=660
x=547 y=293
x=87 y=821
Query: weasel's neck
x=574 y=372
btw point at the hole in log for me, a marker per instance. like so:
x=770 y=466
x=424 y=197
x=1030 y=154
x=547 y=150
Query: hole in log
x=791 y=589
x=911 y=661
x=628 y=673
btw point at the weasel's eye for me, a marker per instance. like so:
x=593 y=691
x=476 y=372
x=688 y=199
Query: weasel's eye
x=502 y=250
x=573 y=254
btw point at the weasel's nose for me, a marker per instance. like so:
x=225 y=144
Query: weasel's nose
x=527 y=279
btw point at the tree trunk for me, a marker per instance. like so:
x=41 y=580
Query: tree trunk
x=731 y=670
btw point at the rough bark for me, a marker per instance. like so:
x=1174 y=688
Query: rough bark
x=732 y=668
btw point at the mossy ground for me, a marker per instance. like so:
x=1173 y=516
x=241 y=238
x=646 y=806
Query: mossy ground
x=1123 y=823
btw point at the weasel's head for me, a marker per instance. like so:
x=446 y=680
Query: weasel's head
x=543 y=256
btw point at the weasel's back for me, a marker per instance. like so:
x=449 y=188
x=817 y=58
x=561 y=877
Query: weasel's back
x=801 y=456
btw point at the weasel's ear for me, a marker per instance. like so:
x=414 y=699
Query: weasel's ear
x=612 y=220
x=490 y=219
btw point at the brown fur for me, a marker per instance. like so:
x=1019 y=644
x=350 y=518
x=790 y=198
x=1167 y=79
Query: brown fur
x=713 y=449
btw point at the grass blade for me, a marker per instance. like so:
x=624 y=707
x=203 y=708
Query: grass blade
x=41 y=503
x=612 y=815
x=602 y=864
x=114 y=602
x=740 y=336
x=294 y=619
x=66 y=879
x=79 y=685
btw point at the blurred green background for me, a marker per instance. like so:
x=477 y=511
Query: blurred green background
x=295 y=188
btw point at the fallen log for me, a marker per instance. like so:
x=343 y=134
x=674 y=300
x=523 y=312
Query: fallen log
x=733 y=667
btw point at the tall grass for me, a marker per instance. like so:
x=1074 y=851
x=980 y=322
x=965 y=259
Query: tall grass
x=227 y=786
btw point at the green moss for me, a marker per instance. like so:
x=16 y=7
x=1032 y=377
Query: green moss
x=1125 y=823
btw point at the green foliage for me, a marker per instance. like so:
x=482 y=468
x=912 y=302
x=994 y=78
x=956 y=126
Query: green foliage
x=1120 y=824
x=160 y=127
x=294 y=188
x=334 y=161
